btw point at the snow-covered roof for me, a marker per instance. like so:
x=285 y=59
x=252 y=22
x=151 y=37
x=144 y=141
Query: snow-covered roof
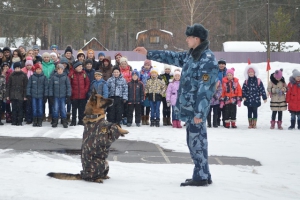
x=254 y=46
x=97 y=41
x=168 y=32
x=17 y=41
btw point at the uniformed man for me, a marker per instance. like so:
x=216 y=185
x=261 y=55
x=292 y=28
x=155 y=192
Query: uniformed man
x=197 y=86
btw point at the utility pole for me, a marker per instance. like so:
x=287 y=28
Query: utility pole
x=268 y=32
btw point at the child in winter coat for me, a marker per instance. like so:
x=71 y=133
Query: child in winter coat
x=118 y=90
x=171 y=97
x=277 y=90
x=16 y=93
x=252 y=90
x=166 y=109
x=99 y=84
x=293 y=98
x=2 y=93
x=59 y=93
x=221 y=75
x=135 y=98
x=214 y=106
x=155 y=89
x=144 y=76
x=231 y=96
x=6 y=71
x=80 y=85
x=106 y=68
x=37 y=89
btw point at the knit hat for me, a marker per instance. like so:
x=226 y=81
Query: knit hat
x=17 y=65
x=76 y=64
x=296 y=73
x=80 y=52
x=88 y=61
x=37 y=66
x=6 y=49
x=197 y=30
x=54 y=46
x=35 y=47
x=154 y=70
x=29 y=63
x=278 y=74
x=167 y=67
x=177 y=72
x=101 y=54
x=64 y=60
x=60 y=66
x=53 y=54
x=46 y=54
x=90 y=50
x=98 y=73
x=222 y=61
x=123 y=59
x=22 y=46
x=5 y=63
x=118 y=54
x=230 y=71
x=147 y=62
x=69 y=49
x=135 y=72
x=28 y=58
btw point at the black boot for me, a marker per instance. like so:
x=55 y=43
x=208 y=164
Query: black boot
x=54 y=122
x=73 y=123
x=152 y=122
x=209 y=181
x=218 y=122
x=64 y=123
x=169 y=121
x=80 y=122
x=157 y=122
x=34 y=124
x=293 y=122
x=208 y=120
x=215 y=118
x=39 y=121
x=195 y=183
x=164 y=121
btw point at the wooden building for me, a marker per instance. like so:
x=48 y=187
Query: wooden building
x=95 y=45
x=155 y=39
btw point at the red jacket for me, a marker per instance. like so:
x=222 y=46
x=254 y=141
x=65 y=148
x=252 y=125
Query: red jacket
x=293 y=95
x=126 y=73
x=80 y=84
x=231 y=91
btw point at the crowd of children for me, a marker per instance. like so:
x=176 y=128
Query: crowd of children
x=31 y=83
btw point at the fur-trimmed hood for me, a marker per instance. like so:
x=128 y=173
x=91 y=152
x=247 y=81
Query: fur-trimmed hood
x=274 y=81
x=250 y=67
x=196 y=53
x=292 y=80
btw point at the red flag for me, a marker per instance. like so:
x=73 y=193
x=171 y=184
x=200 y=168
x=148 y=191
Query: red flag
x=268 y=65
x=249 y=62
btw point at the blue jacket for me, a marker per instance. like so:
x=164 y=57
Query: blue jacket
x=222 y=74
x=90 y=74
x=252 y=90
x=59 y=86
x=117 y=86
x=100 y=87
x=198 y=79
x=37 y=86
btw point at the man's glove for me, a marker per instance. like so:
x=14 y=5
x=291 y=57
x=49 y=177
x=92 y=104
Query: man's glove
x=68 y=99
x=168 y=103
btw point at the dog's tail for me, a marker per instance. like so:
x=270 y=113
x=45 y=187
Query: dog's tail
x=65 y=176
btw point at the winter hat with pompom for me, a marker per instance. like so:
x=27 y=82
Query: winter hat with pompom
x=177 y=72
x=230 y=71
x=135 y=72
x=278 y=74
x=296 y=73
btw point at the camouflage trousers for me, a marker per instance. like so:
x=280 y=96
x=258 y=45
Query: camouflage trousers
x=196 y=137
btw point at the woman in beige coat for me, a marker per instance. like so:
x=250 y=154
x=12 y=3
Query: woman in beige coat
x=277 y=89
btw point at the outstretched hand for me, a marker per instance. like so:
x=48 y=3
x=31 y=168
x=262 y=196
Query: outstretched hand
x=141 y=50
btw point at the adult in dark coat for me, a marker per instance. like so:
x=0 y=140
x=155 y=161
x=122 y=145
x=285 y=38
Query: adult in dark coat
x=107 y=68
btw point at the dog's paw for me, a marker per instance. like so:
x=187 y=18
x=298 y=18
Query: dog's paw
x=98 y=180
x=106 y=177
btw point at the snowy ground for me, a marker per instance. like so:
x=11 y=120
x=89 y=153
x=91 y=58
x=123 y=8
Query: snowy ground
x=24 y=174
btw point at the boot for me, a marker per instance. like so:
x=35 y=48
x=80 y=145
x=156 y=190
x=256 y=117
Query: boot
x=8 y=117
x=169 y=121
x=215 y=118
x=254 y=123
x=65 y=122
x=147 y=120
x=227 y=124
x=250 y=120
x=174 y=122
x=178 y=124
x=54 y=123
x=298 y=124
x=49 y=118
x=80 y=122
x=165 y=121
x=208 y=119
x=143 y=120
x=68 y=117
x=279 y=125
x=194 y=183
x=272 y=124
x=40 y=121
x=35 y=119
x=233 y=124
x=152 y=122
x=293 y=122
x=218 y=122
x=157 y=122
x=19 y=121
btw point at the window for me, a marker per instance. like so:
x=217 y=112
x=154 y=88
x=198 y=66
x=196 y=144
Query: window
x=154 y=39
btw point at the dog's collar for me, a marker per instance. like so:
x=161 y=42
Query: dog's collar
x=93 y=116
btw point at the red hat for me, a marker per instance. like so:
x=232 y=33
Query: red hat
x=28 y=58
x=118 y=54
x=36 y=66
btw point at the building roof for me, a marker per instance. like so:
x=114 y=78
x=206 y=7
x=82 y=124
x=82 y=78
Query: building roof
x=97 y=41
x=168 y=32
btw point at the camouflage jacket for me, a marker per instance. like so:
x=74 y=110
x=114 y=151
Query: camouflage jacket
x=2 y=87
x=155 y=89
x=96 y=141
x=198 y=79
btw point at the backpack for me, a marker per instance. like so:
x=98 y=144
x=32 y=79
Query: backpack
x=258 y=81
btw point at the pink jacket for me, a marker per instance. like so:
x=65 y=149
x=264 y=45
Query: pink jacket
x=171 y=93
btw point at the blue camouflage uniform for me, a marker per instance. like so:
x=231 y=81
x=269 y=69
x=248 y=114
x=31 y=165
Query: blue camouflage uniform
x=197 y=86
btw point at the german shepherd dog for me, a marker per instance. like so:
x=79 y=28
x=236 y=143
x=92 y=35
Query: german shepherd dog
x=98 y=136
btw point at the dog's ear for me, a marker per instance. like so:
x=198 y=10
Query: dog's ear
x=93 y=95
